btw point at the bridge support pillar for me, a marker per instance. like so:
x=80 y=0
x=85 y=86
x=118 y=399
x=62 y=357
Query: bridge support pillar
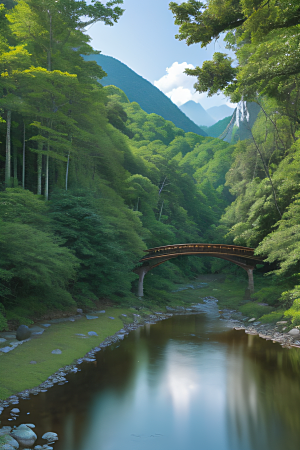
x=141 y=271
x=250 y=279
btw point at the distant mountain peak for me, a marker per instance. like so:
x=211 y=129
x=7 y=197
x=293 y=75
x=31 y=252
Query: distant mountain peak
x=197 y=113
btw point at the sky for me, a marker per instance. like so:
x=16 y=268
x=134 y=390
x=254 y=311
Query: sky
x=144 y=40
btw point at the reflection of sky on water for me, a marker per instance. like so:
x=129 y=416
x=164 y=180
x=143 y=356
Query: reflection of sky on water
x=191 y=388
x=176 y=402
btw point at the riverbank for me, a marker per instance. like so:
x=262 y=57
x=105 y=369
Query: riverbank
x=57 y=347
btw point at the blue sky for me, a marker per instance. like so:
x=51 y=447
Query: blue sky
x=144 y=40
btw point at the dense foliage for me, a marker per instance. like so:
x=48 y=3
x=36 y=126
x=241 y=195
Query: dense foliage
x=88 y=179
x=264 y=176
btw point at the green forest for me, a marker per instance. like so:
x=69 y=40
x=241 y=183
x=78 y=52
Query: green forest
x=88 y=180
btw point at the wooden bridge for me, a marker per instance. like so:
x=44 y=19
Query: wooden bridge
x=242 y=256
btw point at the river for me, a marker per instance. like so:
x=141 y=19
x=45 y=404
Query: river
x=189 y=382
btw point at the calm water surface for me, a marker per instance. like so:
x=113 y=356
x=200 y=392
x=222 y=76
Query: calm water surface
x=186 y=383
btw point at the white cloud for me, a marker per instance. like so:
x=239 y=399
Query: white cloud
x=179 y=87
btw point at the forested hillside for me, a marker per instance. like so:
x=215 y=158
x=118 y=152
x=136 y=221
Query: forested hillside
x=264 y=177
x=88 y=179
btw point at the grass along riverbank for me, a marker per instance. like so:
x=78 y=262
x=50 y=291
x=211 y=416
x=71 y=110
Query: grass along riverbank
x=18 y=374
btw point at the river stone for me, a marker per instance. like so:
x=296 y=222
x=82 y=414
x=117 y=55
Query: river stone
x=91 y=317
x=294 y=332
x=114 y=318
x=92 y=333
x=281 y=322
x=56 y=352
x=46 y=325
x=5 y=430
x=29 y=425
x=6 y=447
x=6 y=349
x=23 y=332
x=252 y=320
x=15 y=410
x=100 y=312
x=2 y=340
x=79 y=310
x=24 y=435
x=50 y=436
x=11 y=442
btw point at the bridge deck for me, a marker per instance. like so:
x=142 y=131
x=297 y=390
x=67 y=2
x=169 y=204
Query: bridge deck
x=207 y=249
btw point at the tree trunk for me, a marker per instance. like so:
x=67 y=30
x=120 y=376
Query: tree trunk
x=23 y=166
x=47 y=178
x=39 y=169
x=162 y=205
x=67 y=171
x=8 y=150
x=15 y=153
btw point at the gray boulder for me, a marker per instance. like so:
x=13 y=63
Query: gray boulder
x=11 y=442
x=294 y=332
x=24 y=436
x=5 y=430
x=23 y=332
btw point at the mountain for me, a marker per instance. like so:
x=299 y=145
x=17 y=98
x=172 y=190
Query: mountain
x=220 y=112
x=218 y=128
x=197 y=113
x=241 y=123
x=139 y=90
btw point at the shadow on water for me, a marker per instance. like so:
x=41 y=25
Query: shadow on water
x=187 y=382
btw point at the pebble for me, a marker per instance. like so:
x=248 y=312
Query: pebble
x=92 y=333
x=32 y=362
x=46 y=325
x=112 y=318
x=100 y=312
x=2 y=340
x=91 y=317
x=56 y=352
x=15 y=410
x=50 y=436
x=252 y=320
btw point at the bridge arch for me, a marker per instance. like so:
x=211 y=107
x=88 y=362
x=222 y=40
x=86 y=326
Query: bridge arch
x=242 y=256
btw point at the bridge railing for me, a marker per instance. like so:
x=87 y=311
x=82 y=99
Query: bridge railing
x=200 y=248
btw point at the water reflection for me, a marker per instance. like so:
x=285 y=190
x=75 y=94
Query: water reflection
x=184 y=383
